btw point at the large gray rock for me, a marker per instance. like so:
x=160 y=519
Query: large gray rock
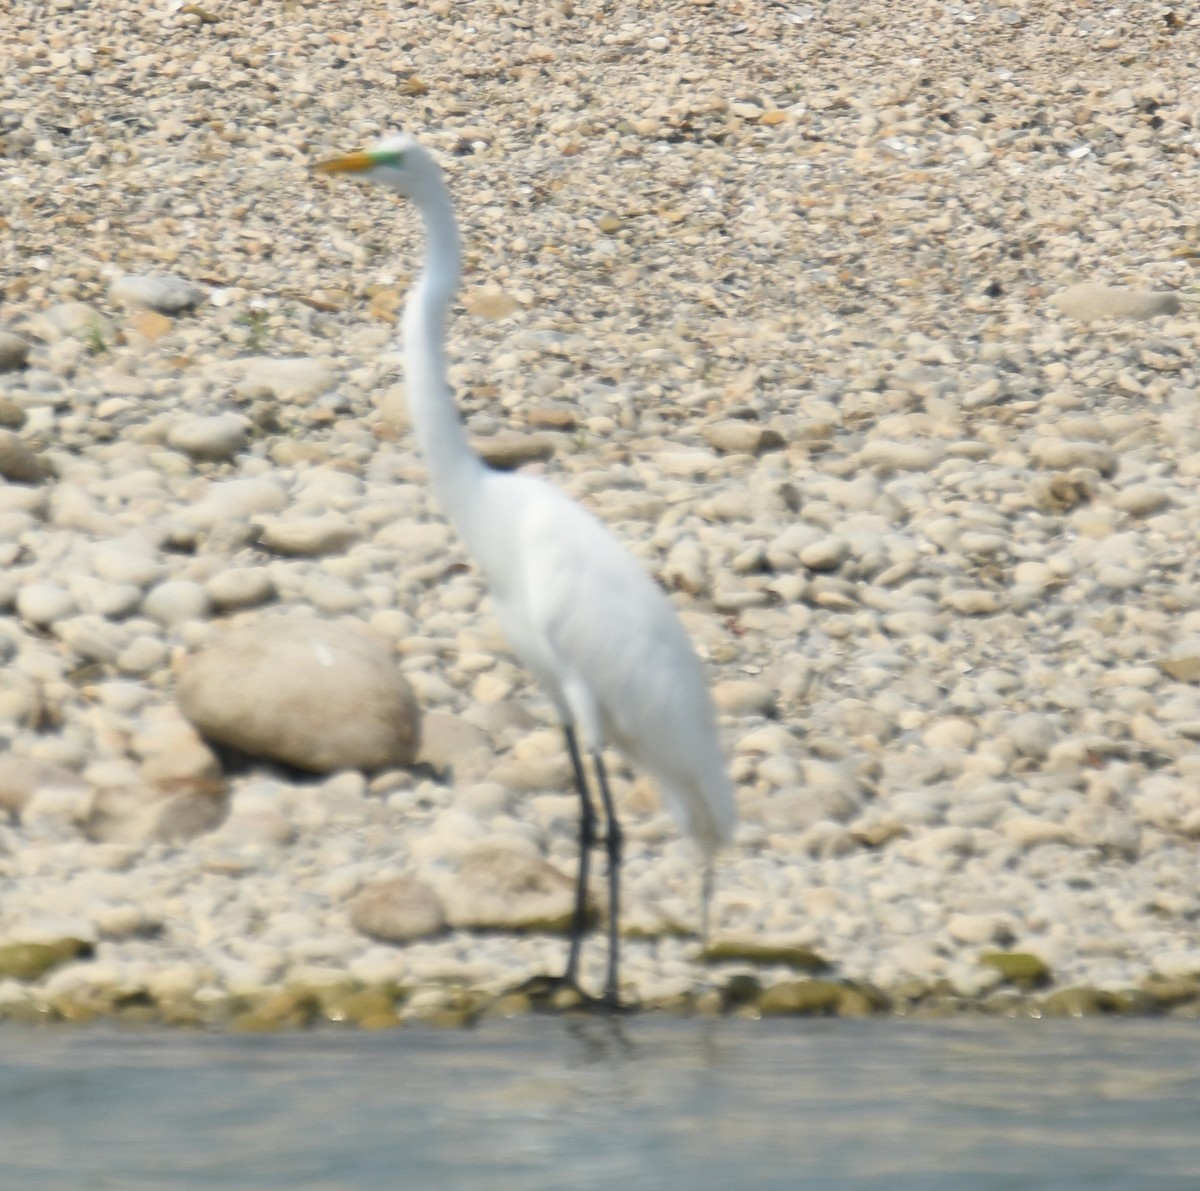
x=305 y=692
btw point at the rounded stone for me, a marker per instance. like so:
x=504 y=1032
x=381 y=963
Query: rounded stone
x=176 y=601
x=825 y=555
x=215 y=438
x=240 y=587
x=744 y=697
x=973 y=601
x=498 y=887
x=18 y=464
x=22 y=777
x=738 y=436
x=397 y=911
x=1143 y=500
x=308 y=537
x=310 y=693
x=160 y=292
x=1032 y=735
x=44 y=603
x=1089 y=301
x=14 y=351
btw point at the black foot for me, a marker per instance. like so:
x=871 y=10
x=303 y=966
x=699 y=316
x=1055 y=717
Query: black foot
x=562 y=994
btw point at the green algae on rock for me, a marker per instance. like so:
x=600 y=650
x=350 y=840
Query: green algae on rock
x=819 y=997
x=1169 y=992
x=31 y=961
x=1076 y=1002
x=367 y=1008
x=801 y=959
x=1134 y=1002
x=287 y=1009
x=1018 y=968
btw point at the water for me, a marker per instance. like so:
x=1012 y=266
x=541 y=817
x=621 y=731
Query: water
x=545 y=1104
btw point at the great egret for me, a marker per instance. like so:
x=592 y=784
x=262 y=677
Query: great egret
x=579 y=611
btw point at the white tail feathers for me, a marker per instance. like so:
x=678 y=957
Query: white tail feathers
x=705 y=810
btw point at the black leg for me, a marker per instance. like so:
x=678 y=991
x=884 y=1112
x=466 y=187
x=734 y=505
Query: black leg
x=587 y=840
x=706 y=890
x=543 y=989
x=614 y=841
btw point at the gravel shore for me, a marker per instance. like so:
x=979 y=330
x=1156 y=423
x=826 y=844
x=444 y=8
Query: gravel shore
x=871 y=327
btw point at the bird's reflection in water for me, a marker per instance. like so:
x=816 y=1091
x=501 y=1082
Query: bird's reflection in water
x=616 y=1041
x=601 y=1038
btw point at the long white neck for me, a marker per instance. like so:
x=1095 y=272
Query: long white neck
x=455 y=471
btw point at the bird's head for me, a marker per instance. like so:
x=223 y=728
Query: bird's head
x=400 y=163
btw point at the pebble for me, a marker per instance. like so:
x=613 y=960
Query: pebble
x=1089 y=301
x=140 y=813
x=14 y=351
x=239 y=588
x=238 y=499
x=735 y=435
x=130 y=562
x=397 y=911
x=1065 y=455
x=308 y=536
x=973 y=601
x=44 y=603
x=825 y=555
x=65 y=319
x=21 y=778
x=113 y=601
x=742 y=697
x=160 y=292
x=18 y=464
x=455 y=747
x=12 y=416
x=1143 y=500
x=888 y=457
x=299 y=380
x=176 y=601
x=215 y=438
x=91 y=638
x=509 y=450
x=501 y=887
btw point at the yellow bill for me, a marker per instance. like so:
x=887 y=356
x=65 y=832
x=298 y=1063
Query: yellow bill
x=348 y=163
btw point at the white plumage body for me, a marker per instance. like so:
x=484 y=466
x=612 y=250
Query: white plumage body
x=605 y=644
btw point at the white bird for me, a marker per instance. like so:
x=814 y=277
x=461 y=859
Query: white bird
x=598 y=634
